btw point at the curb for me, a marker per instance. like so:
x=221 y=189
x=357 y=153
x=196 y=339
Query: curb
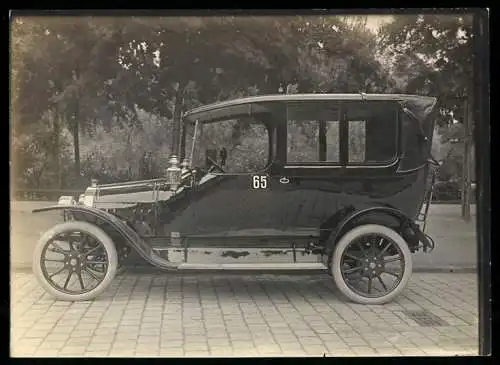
x=142 y=269
x=146 y=269
x=470 y=269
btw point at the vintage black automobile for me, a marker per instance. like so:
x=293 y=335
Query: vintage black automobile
x=340 y=182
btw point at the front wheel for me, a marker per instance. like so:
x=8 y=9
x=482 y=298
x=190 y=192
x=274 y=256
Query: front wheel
x=371 y=264
x=75 y=261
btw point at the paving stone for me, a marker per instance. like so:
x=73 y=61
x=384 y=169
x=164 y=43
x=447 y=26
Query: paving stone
x=218 y=342
x=42 y=352
x=97 y=346
x=82 y=333
x=179 y=352
x=96 y=353
x=310 y=341
x=221 y=351
x=51 y=345
x=102 y=339
x=35 y=334
x=78 y=341
x=57 y=337
x=316 y=350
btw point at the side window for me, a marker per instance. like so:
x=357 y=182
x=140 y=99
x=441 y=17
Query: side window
x=246 y=142
x=372 y=132
x=357 y=141
x=313 y=133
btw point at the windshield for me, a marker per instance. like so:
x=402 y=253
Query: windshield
x=235 y=145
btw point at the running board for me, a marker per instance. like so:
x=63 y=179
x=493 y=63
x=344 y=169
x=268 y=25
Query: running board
x=256 y=266
x=237 y=255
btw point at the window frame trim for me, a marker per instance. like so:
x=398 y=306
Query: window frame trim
x=316 y=164
x=343 y=142
x=397 y=151
x=270 y=158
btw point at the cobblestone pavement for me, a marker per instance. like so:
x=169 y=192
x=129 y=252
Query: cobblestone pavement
x=242 y=315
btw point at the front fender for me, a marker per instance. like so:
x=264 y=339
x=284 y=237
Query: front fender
x=130 y=237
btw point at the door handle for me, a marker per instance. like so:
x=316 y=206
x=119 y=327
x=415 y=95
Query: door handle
x=284 y=180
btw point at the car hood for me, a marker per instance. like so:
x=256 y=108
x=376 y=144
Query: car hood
x=129 y=194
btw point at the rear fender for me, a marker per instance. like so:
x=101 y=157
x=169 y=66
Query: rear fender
x=382 y=215
x=111 y=224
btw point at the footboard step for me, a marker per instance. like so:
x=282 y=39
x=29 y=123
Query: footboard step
x=256 y=266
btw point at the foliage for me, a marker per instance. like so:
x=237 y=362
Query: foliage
x=245 y=140
x=59 y=64
x=33 y=158
x=116 y=155
x=112 y=89
x=433 y=55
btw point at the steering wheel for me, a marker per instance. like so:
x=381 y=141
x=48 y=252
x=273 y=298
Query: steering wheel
x=433 y=161
x=214 y=165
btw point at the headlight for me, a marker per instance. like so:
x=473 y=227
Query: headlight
x=66 y=200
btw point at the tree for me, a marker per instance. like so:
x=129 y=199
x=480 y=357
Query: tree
x=88 y=73
x=432 y=54
x=32 y=59
x=322 y=54
x=59 y=67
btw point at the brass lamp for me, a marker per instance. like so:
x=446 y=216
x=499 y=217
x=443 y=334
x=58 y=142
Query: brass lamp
x=173 y=174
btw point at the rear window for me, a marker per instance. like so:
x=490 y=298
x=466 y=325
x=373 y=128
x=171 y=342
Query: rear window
x=372 y=132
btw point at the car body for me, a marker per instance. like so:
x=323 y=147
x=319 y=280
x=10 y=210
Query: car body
x=268 y=182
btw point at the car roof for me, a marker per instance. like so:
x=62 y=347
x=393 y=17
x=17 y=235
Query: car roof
x=206 y=112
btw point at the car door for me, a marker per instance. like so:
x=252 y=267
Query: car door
x=236 y=196
x=310 y=150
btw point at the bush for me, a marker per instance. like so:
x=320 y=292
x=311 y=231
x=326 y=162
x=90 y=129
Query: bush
x=113 y=156
x=34 y=156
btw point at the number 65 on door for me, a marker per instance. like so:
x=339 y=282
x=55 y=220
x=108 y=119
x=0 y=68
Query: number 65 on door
x=260 y=182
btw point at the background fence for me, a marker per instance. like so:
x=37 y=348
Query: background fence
x=43 y=194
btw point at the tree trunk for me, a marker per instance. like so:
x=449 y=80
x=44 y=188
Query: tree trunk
x=466 y=168
x=76 y=128
x=76 y=140
x=38 y=177
x=176 y=130
x=57 y=147
x=130 y=155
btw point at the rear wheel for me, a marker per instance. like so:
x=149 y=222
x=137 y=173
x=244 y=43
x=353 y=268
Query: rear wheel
x=75 y=261
x=371 y=264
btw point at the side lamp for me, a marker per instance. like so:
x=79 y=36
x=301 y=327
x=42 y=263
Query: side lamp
x=173 y=173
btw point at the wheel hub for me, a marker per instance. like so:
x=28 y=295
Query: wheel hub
x=75 y=262
x=372 y=267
